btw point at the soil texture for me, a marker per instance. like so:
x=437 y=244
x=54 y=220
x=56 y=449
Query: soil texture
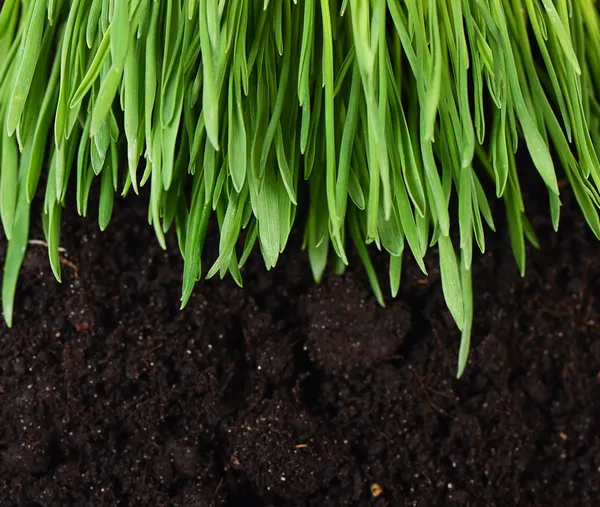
x=286 y=393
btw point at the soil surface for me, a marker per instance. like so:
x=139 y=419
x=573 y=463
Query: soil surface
x=286 y=393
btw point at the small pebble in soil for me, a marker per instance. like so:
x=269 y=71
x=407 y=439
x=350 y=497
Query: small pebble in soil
x=376 y=490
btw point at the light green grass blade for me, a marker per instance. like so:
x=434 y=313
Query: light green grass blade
x=27 y=61
x=366 y=260
x=465 y=340
x=15 y=253
x=451 y=284
x=197 y=225
x=8 y=182
x=395 y=272
x=7 y=11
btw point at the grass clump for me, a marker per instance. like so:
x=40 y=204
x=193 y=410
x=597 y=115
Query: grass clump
x=365 y=116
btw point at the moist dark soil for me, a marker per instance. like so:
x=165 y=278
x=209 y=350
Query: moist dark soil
x=287 y=393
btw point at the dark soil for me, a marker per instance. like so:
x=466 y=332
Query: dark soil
x=285 y=393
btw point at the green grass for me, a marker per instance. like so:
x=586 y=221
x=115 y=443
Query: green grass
x=372 y=114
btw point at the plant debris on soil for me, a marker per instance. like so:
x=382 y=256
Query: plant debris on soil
x=287 y=393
